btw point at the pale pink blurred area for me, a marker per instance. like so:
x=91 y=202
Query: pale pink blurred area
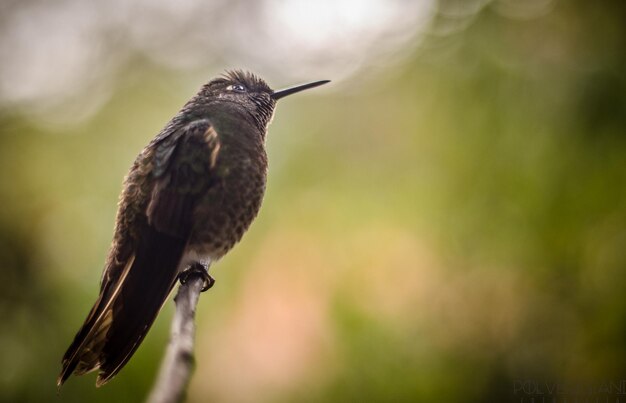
x=278 y=333
x=282 y=331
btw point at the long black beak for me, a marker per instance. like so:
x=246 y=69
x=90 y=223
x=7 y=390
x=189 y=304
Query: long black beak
x=288 y=91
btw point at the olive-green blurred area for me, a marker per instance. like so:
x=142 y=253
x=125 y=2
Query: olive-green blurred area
x=445 y=219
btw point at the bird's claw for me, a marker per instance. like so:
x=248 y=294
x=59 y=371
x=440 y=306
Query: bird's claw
x=208 y=282
x=201 y=270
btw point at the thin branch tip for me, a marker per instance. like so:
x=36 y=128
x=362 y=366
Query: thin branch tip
x=179 y=361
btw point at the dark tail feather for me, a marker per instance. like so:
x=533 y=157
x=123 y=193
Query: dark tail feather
x=147 y=286
x=132 y=309
x=87 y=336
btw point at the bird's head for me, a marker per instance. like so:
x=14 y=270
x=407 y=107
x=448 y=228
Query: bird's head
x=251 y=92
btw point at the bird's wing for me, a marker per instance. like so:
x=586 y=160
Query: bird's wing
x=153 y=225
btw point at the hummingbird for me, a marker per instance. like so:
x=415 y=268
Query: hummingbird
x=188 y=198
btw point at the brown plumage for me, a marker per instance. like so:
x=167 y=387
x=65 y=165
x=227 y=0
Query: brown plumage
x=189 y=197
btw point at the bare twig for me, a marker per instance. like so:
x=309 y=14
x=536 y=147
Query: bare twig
x=178 y=363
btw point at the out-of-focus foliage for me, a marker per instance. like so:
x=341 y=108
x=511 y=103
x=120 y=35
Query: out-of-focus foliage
x=445 y=221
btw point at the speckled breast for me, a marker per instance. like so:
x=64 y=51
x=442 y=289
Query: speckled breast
x=231 y=202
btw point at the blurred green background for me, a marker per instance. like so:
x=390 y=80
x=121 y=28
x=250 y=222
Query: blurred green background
x=444 y=221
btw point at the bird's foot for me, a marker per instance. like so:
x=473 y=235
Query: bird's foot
x=197 y=269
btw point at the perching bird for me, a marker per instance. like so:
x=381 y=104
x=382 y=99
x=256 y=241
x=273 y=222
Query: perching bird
x=189 y=197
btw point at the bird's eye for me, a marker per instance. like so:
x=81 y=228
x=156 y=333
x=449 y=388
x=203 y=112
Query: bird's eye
x=236 y=88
